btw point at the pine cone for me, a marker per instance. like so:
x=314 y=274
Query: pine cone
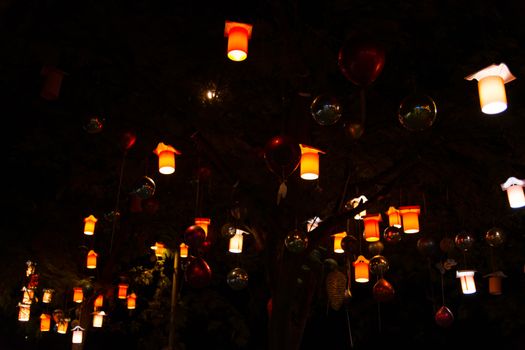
x=335 y=289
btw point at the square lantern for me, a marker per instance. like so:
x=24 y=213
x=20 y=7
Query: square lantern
x=183 y=250
x=122 y=290
x=91 y=260
x=62 y=325
x=514 y=188
x=78 y=333
x=28 y=296
x=491 y=87
x=468 y=285
x=338 y=238
x=361 y=270
x=99 y=302
x=394 y=218
x=309 y=165
x=372 y=233
x=98 y=318
x=204 y=223
x=159 y=249
x=132 y=301
x=24 y=310
x=410 y=218
x=45 y=322
x=236 y=242
x=166 y=154
x=238 y=35
x=89 y=225
x=78 y=295
x=47 y=297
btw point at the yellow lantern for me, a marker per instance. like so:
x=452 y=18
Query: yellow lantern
x=371 y=222
x=92 y=260
x=62 y=325
x=28 y=296
x=47 y=296
x=514 y=188
x=183 y=250
x=159 y=249
x=99 y=301
x=77 y=334
x=338 y=237
x=361 y=269
x=309 y=168
x=24 y=310
x=132 y=301
x=204 y=223
x=394 y=218
x=410 y=217
x=236 y=241
x=45 y=322
x=468 y=285
x=122 y=290
x=166 y=155
x=89 y=225
x=491 y=87
x=238 y=35
x=98 y=318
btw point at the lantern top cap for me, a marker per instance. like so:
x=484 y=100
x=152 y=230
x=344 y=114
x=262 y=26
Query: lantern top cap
x=512 y=181
x=44 y=315
x=161 y=147
x=500 y=70
x=361 y=259
x=77 y=328
x=309 y=149
x=462 y=273
x=132 y=295
x=392 y=210
x=100 y=313
x=157 y=245
x=496 y=274
x=410 y=209
x=90 y=218
x=372 y=217
x=229 y=25
x=92 y=252
x=202 y=220
x=340 y=234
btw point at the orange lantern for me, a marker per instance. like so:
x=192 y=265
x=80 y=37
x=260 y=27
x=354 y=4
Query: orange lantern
x=394 y=218
x=62 y=325
x=361 y=269
x=99 y=301
x=468 y=285
x=514 y=188
x=29 y=295
x=92 y=260
x=78 y=295
x=410 y=217
x=24 y=310
x=371 y=222
x=183 y=250
x=98 y=318
x=238 y=35
x=236 y=241
x=204 y=223
x=122 y=290
x=47 y=296
x=166 y=155
x=159 y=249
x=338 y=237
x=132 y=301
x=45 y=322
x=78 y=333
x=495 y=282
x=89 y=225
x=52 y=83
x=309 y=168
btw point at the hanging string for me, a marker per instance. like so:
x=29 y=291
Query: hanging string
x=442 y=290
x=349 y=328
x=117 y=204
x=432 y=294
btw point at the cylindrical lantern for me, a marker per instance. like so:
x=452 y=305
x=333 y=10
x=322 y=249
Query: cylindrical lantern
x=468 y=285
x=92 y=260
x=183 y=249
x=495 y=279
x=98 y=318
x=45 y=322
x=122 y=290
x=361 y=269
x=132 y=301
x=47 y=296
x=309 y=166
x=371 y=222
x=394 y=218
x=159 y=249
x=238 y=35
x=410 y=218
x=236 y=242
x=338 y=237
x=24 y=311
x=78 y=295
x=52 y=83
x=62 y=325
x=89 y=225
x=77 y=334
x=514 y=188
x=204 y=223
x=166 y=155
x=99 y=302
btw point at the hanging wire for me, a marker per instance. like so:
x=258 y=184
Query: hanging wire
x=442 y=290
x=349 y=328
x=117 y=204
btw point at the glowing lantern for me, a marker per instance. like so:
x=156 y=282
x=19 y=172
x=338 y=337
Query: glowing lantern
x=77 y=334
x=410 y=217
x=24 y=310
x=47 y=296
x=361 y=269
x=99 y=301
x=29 y=295
x=491 y=87
x=312 y=223
x=236 y=241
x=30 y=268
x=132 y=301
x=122 y=290
x=468 y=285
x=495 y=282
x=62 y=325
x=159 y=249
x=354 y=202
x=338 y=237
x=238 y=35
x=394 y=218
x=372 y=227
x=45 y=322
x=514 y=188
x=89 y=225
x=166 y=155
x=78 y=295
x=309 y=167
x=183 y=250
x=92 y=260
x=98 y=318
x=204 y=223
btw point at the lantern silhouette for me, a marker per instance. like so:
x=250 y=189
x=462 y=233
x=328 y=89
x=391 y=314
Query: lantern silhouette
x=52 y=82
x=410 y=218
x=394 y=218
x=491 y=87
x=309 y=166
x=132 y=301
x=24 y=310
x=204 y=223
x=468 y=285
x=183 y=250
x=45 y=322
x=98 y=318
x=236 y=241
x=514 y=188
x=338 y=237
x=495 y=282
x=99 y=302
x=47 y=296
x=238 y=35
x=166 y=154
x=361 y=270
x=91 y=260
x=89 y=225
x=371 y=232
x=78 y=295
x=62 y=325
x=122 y=290
x=77 y=334
x=159 y=249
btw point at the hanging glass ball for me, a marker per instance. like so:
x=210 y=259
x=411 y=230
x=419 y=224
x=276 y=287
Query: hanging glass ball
x=228 y=230
x=392 y=234
x=464 y=241
x=417 y=112
x=446 y=244
x=326 y=109
x=145 y=188
x=376 y=248
x=495 y=237
x=237 y=278
x=426 y=246
x=296 y=241
x=444 y=317
x=349 y=244
x=194 y=236
x=378 y=265
x=94 y=125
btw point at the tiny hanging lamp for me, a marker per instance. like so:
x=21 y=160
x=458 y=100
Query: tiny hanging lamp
x=236 y=241
x=514 y=188
x=309 y=168
x=62 y=325
x=77 y=334
x=91 y=260
x=122 y=290
x=45 y=322
x=338 y=237
x=159 y=249
x=183 y=250
x=132 y=301
x=98 y=318
x=89 y=225
x=410 y=218
x=24 y=310
x=166 y=155
x=361 y=269
x=99 y=302
x=468 y=285
x=394 y=218
x=204 y=223
x=78 y=295
x=371 y=232
x=48 y=295
x=238 y=35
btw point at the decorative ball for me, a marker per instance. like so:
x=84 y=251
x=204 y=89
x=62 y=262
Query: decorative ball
x=194 y=236
x=228 y=230
x=237 y=278
x=198 y=273
x=383 y=290
x=495 y=237
x=446 y=244
x=426 y=246
x=282 y=155
x=205 y=247
x=326 y=109
x=444 y=317
x=296 y=241
x=376 y=248
x=94 y=125
x=361 y=61
x=417 y=112
x=392 y=234
x=145 y=188
x=349 y=244
x=354 y=130
x=378 y=265
x=464 y=240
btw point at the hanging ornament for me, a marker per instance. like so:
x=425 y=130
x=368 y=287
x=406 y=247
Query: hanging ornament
x=326 y=109
x=464 y=241
x=426 y=246
x=444 y=317
x=361 y=61
x=145 y=188
x=194 y=236
x=378 y=265
x=94 y=125
x=392 y=234
x=495 y=237
x=446 y=244
x=417 y=112
x=349 y=244
x=127 y=139
x=354 y=129
x=296 y=241
x=335 y=288
x=237 y=278
x=198 y=273
x=383 y=291
x=376 y=248
x=495 y=279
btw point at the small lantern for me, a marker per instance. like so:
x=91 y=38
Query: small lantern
x=311 y=224
x=372 y=233
x=52 y=82
x=92 y=260
x=183 y=248
x=354 y=202
x=309 y=167
x=166 y=155
x=491 y=87
x=132 y=301
x=77 y=334
x=495 y=282
x=338 y=237
x=99 y=301
x=394 y=218
x=122 y=290
x=236 y=242
x=45 y=322
x=410 y=217
x=89 y=225
x=78 y=295
x=47 y=296
x=159 y=249
x=24 y=310
x=514 y=188
x=468 y=285
x=98 y=318
x=62 y=325
x=31 y=267
x=204 y=223
x=238 y=35
x=29 y=295
x=361 y=269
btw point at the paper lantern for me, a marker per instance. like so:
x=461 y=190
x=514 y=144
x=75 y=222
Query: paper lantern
x=159 y=249
x=78 y=295
x=132 y=301
x=122 y=290
x=394 y=218
x=410 y=218
x=45 y=322
x=204 y=223
x=28 y=296
x=514 y=188
x=236 y=241
x=371 y=222
x=92 y=260
x=77 y=334
x=183 y=250
x=99 y=302
x=31 y=266
x=24 y=311
x=89 y=225
x=238 y=35
x=98 y=318
x=338 y=237
x=62 y=325
x=468 y=285
x=309 y=166
x=354 y=202
x=47 y=297
x=166 y=155
x=361 y=269
x=491 y=87
x=52 y=83
x=495 y=282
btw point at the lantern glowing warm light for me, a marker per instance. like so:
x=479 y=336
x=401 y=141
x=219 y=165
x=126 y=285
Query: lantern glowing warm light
x=47 y=296
x=98 y=318
x=122 y=290
x=338 y=237
x=23 y=312
x=92 y=260
x=361 y=269
x=236 y=241
x=77 y=334
x=99 y=301
x=89 y=225
x=514 y=188
x=394 y=218
x=354 y=202
x=28 y=296
x=410 y=218
x=78 y=295
x=132 y=301
x=491 y=87
x=62 y=325
x=159 y=249
x=204 y=223
x=468 y=285
x=309 y=168
x=371 y=232
x=495 y=282
x=238 y=35
x=45 y=322
x=183 y=250
x=166 y=155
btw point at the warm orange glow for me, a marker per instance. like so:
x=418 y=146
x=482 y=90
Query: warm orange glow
x=361 y=269
x=495 y=285
x=338 y=237
x=62 y=326
x=183 y=250
x=309 y=168
x=132 y=301
x=204 y=223
x=236 y=242
x=238 y=35
x=371 y=222
x=29 y=295
x=468 y=285
x=89 y=225
x=99 y=301
x=410 y=217
x=78 y=295
x=98 y=318
x=166 y=155
x=45 y=322
x=92 y=260
x=77 y=335
x=47 y=296
x=492 y=97
x=394 y=218
x=24 y=312
x=159 y=249
x=122 y=290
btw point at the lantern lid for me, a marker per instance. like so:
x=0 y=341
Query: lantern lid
x=410 y=209
x=462 y=273
x=340 y=234
x=99 y=313
x=202 y=220
x=229 y=25
x=92 y=253
x=309 y=149
x=361 y=259
x=132 y=295
x=91 y=218
x=77 y=328
x=499 y=274
x=392 y=210
x=376 y=217
x=44 y=316
x=500 y=70
x=161 y=147
x=512 y=181
x=157 y=246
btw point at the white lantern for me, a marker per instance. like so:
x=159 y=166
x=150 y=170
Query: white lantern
x=468 y=285
x=77 y=334
x=514 y=188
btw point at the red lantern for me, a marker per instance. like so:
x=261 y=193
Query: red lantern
x=78 y=295
x=198 y=273
x=92 y=260
x=444 y=317
x=383 y=290
x=45 y=322
x=238 y=35
x=132 y=301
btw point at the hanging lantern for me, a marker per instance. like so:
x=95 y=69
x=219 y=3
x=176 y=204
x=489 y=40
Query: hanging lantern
x=52 y=82
x=92 y=260
x=394 y=218
x=495 y=282
x=122 y=290
x=491 y=87
x=236 y=242
x=89 y=225
x=132 y=301
x=99 y=302
x=31 y=267
x=24 y=310
x=238 y=35
x=204 y=223
x=353 y=203
x=338 y=237
x=78 y=295
x=166 y=155
x=45 y=322
x=514 y=188
x=312 y=223
x=183 y=249
x=361 y=269
x=47 y=296
x=77 y=334
x=468 y=285
x=159 y=249
x=410 y=218
x=98 y=318
x=309 y=167
x=62 y=325
x=28 y=296
x=371 y=222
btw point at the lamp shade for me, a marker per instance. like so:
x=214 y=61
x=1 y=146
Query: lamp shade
x=99 y=302
x=91 y=260
x=236 y=242
x=394 y=218
x=309 y=166
x=122 y=290
x=159 y=249
x=78 y=333
x=45 y=322
x=98 y=318
x=204 y=223
x=371 y=222
x=183 y=250
x=166 y=154
x=468 y=285
x=47 y=297
x=361 y=269
x=238 y=35
x=78 y=295
x=89 y=225
x=62 y=326
x=24 y=311
x=132 y=301
x=515 y=195
x=338 y=237
x=410 y=218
